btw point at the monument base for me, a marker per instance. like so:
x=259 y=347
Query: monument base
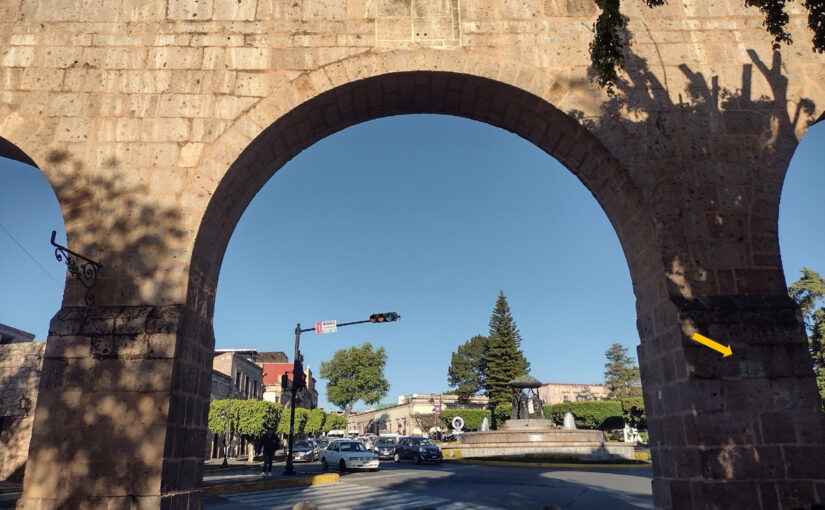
x=522 y=437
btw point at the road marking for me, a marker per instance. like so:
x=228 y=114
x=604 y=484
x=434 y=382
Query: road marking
x=344 y=496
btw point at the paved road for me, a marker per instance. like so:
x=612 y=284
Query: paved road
x=461 y=487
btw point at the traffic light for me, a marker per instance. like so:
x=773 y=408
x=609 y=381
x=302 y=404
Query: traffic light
x=298 y=376
x=284 y=382
x=384 y=317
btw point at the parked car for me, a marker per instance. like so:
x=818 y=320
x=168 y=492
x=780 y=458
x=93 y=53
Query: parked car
x=348 y=454
x=418 y=449
x=322 y=442
x=385 y=447
x=305 y=451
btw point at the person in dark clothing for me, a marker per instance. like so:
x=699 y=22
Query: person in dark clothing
x=270 y=444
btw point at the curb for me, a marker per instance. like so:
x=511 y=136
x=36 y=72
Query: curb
x=273 y=484
x=559 y=465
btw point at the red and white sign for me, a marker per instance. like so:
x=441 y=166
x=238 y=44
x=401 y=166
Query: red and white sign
x=326 y=327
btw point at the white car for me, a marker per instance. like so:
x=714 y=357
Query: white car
x=348 y=454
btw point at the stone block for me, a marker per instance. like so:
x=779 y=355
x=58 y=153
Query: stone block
x=190 y=10
x=235 y=9
x=248 y=58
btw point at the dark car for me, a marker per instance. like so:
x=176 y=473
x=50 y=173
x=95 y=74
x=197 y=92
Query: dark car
x=322 y=442
x=304 y=451
x=385 y=447
x=418 y=449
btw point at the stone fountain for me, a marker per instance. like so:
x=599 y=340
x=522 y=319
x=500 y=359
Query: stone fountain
x=522 y=435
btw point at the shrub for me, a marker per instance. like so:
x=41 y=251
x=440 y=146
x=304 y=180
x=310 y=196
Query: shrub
x=633 y=412
x=472 y=417
x=503 y=412
x=591 y=414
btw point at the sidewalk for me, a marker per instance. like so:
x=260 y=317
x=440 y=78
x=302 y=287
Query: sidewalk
x=241 y=476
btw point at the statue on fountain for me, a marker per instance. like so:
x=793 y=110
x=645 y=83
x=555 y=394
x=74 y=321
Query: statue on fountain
x=521 y=401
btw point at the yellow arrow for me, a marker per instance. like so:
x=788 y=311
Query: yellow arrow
x=716 y=346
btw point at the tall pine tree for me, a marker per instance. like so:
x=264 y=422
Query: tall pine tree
x=503 y=358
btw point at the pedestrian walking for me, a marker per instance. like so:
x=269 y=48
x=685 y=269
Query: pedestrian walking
x=269 y=445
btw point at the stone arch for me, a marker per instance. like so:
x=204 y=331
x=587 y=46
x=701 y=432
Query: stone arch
x=478 y=96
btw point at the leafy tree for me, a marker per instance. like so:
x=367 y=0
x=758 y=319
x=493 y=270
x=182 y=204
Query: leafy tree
x=315 y=421
x=606 y=48
x=425 y=421
x=334 y=422
x=250 y=419
x=809 y=294
x=301 y=416
x=355 y=374
x=467 y=368
x=621 y=374
x=503 y=359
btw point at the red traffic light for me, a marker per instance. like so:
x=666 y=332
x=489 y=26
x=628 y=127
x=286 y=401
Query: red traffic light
x=384 y=317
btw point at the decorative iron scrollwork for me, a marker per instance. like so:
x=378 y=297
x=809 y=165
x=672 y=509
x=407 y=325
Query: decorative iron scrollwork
x=82 y=268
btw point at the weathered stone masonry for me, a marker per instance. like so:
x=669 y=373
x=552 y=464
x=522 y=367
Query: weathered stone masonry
x=20 y=365
x=157 y=121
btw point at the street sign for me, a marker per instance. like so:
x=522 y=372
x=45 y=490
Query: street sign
x=326 y=327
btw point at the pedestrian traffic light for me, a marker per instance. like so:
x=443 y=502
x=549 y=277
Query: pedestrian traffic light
x=384 y=317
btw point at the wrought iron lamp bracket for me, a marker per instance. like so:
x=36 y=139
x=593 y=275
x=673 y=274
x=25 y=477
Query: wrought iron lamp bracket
x=82 y=268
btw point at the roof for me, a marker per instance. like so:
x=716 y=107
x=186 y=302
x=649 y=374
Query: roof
x=274 y=371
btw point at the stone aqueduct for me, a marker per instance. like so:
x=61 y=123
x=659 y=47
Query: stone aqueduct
x=157 y=121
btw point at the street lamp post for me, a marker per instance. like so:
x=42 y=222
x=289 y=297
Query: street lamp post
x=297 y=367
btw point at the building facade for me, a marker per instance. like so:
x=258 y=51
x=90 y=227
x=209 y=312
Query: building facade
x=556 y=393
x=274 y=392
x=246 y=375
x=221 y=388
x=400 y=418
x=21 y=362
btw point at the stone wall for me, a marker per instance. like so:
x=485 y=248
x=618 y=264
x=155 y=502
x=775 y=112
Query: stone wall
x=157 y=121
x=20 y=368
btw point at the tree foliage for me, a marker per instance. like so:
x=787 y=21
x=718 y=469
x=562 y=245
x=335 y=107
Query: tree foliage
x=809 y=294
x=606 y=48
x=301 y=416
x=503 y=359
x=425 y=421
x=355 y=374
x=621 y=374
x=250 y=418
x=467 y=368
x=315 y=421
x=334 y=422
x=633 y=412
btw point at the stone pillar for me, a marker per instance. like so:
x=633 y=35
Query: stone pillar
x=745 y=431
x=120 y=419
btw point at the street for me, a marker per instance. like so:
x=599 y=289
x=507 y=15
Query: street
x=459 y=486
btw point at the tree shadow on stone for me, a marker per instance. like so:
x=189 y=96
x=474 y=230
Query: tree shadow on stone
x=120 y=417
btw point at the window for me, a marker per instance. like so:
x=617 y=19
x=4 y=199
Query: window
x=255 y=389
x=238 y=380
x=567 y=398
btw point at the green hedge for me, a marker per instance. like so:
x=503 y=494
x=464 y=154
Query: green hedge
x=472 y=417
x=590 y=414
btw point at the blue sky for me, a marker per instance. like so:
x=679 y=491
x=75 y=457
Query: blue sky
x=429 y=216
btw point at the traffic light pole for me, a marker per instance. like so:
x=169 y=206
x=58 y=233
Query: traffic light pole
x=290 y=468
x=298 y=366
